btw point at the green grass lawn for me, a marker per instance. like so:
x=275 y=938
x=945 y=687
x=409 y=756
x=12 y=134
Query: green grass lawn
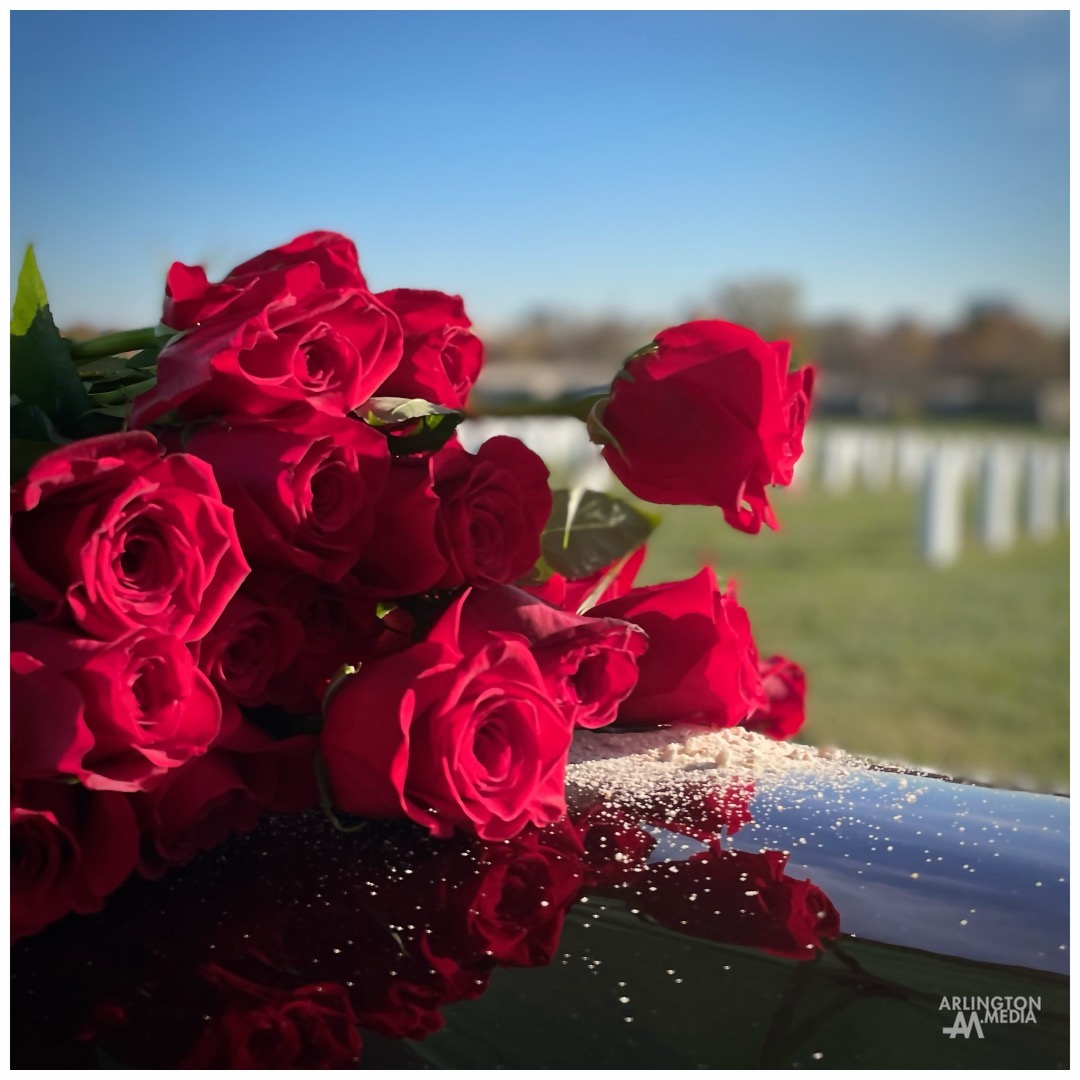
x=964 y=670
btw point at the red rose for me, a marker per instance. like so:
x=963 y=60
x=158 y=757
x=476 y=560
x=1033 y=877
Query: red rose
x=303 y=500
x=108 y=532
x=70 y=848
x=493 y=506
x=403 y=557
x=334 y=254
x=190 y=299
x=260 y=1027
x=708 y=415
x=785 y=687
x=250 y=644
x=449 y=739
x=194 y=809
x=701 y=664
x=589 y=664
x=117 y=716
x=52 y=750
x=441 y=359
x=337 y=624
x=280 y=338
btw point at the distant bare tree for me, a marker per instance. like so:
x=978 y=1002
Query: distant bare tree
x=995 y=339
x=770 y=306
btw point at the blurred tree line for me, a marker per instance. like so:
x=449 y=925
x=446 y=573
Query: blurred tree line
x=992 y=338
x=994 y=360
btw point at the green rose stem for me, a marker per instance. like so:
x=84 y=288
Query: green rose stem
x=147 y=337
x=578 y=405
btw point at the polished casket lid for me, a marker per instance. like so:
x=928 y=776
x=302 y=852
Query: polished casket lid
x=711 y=902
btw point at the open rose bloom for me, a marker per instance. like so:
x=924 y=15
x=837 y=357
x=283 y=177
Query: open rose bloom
x=272 y=579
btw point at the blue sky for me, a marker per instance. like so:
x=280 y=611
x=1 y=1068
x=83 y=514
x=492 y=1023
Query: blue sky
x=901 y=162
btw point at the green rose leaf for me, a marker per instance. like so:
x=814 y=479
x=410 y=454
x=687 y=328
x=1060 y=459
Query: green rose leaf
x=382 y=411
x=32 y=436
x=589 y=530
x=120 y=368
x=42 y=371
x=412 y=425
x=30 y=295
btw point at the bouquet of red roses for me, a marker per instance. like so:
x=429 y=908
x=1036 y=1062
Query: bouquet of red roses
x=254 y=569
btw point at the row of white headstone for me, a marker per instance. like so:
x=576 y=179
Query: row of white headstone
x=1021 y=484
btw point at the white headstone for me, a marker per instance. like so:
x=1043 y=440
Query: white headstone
x=1041 y=496
x=913 y=450
x=999 y=489
x=940 y=531
x=839 y=458
x=877 y=452
x=1065 y=485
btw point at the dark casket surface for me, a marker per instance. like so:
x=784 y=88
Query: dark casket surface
x=870 y=918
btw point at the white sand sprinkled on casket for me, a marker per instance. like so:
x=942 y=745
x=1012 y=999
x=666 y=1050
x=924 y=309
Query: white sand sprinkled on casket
x=635 y=765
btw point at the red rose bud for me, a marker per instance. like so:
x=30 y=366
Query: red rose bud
x=701 y=665
x=449 y=738
x=441 y=359
x=70 y=848
x=117 y=716
x=785 y=687
x=493 y=505
x=302 y=499
x=279 y=338
x=107 y=532
x=589 y=665
x=708 y=415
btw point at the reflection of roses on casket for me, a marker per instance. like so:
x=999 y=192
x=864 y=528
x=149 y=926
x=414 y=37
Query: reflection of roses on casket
x=310 y=1027
x=739 y=898
x=287 y=970
x=719 y=894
